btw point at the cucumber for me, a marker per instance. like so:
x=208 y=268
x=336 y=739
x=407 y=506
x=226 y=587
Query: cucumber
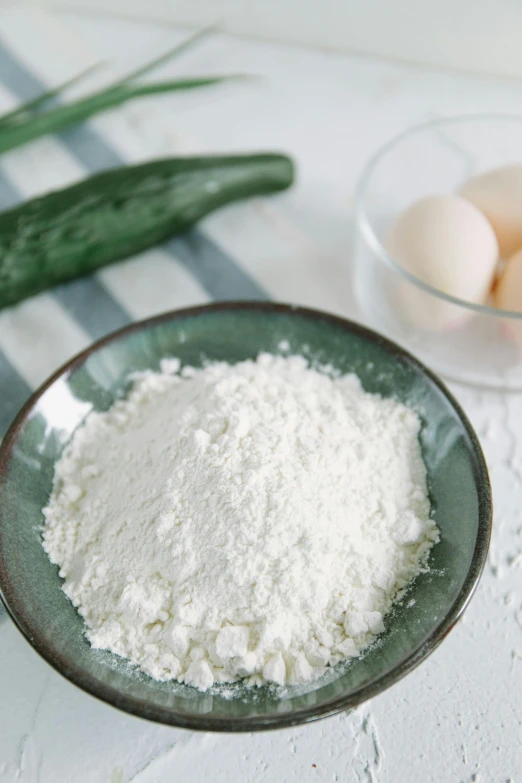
x=121 y=212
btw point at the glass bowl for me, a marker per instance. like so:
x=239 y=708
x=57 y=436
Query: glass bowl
x=434 y=158
x=458 y=482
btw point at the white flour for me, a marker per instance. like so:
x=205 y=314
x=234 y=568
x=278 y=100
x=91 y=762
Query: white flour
x=255 y=520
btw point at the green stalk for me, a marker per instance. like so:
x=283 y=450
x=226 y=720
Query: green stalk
x=17 y=115
x=24 y=125
x=62 y=117
x=37 y=102
x=188 y=43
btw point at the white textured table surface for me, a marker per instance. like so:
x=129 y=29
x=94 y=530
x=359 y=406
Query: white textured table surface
x=456 y=719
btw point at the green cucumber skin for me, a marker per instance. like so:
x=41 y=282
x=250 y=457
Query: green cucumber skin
x=121 y=212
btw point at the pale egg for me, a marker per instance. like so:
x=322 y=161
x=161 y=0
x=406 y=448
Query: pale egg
x=508 y=295
x=446 y=242
x=498 y=195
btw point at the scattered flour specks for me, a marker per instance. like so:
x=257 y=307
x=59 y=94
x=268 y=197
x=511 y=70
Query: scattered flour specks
x=249 y=521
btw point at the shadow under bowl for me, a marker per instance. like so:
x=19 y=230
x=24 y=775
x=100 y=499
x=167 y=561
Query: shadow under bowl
x=458 y=484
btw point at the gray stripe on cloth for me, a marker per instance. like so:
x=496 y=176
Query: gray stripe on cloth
x=8 y=194
x=13 y=389
x=89 y=302
x=215 y=270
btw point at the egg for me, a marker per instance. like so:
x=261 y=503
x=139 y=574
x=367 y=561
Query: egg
x=446 y=242
x=498 y=195
x=508 y=295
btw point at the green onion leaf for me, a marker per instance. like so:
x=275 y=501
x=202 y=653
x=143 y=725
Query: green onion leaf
x=24 y=124
x=163 y=58
x=62 y=117
x=18 y=115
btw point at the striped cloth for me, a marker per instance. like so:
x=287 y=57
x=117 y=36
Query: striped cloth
x=248 y=252
x=88 y=302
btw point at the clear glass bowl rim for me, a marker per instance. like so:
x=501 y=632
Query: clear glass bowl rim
x=364 y=225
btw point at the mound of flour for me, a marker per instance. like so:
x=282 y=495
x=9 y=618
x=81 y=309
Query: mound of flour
x=248 y=521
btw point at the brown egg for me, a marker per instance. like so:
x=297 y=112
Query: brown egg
x=508 y=295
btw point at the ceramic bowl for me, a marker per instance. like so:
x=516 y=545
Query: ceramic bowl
x=458 y=484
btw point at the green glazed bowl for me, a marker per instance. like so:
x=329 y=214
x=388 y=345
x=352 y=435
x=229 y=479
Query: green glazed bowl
x=458 y=484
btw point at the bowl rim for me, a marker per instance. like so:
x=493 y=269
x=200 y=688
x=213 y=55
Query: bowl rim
x=14 y=603
x=364 y=224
